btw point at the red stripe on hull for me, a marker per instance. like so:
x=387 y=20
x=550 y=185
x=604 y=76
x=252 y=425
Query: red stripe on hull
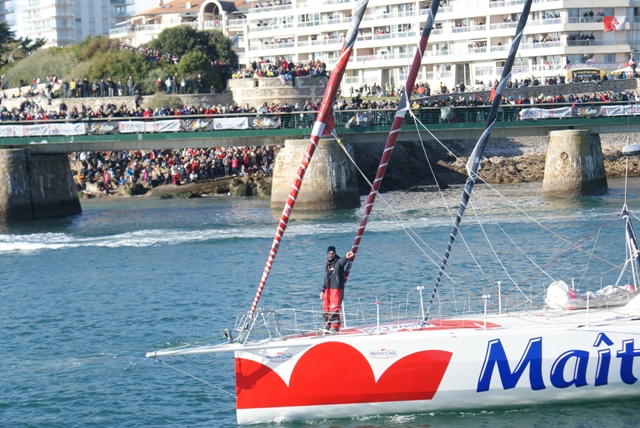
x=315 y=382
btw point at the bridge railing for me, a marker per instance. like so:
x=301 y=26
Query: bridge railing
x=303 y=120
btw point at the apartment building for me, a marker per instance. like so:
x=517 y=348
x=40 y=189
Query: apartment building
x=469 y=43
x=65 y=22
x=3 y=11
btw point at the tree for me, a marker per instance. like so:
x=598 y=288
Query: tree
x=219 y=49
x=7 y=40
x=90 y=46
x=28 y=46
x=119 y=65
x=194 y=63
x=214 y=45
x=179 y=40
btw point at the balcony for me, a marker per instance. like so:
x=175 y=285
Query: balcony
x=270 y=8
x=211 y=25
x=329 y=2
x=332 y=41
x=469 y=29
x=387 y=36
x=546 y=21
x=541 y=45
x=271 y=27
x=439 y=75
x=584 y=19
x=506 y=3
x=120 y=32
x=270 y=46
x=236 y=22
x=504 y=25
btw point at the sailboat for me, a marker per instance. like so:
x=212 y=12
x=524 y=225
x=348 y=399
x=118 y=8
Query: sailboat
x=423 y=363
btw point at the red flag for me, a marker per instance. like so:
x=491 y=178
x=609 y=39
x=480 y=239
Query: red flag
x=612 y=23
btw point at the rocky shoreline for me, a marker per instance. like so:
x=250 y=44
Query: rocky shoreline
x=506 y=161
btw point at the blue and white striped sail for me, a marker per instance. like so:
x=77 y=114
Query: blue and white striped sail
x=473 y=163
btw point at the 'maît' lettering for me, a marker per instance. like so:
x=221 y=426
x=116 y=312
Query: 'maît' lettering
x=532 y=357
x=573 y=363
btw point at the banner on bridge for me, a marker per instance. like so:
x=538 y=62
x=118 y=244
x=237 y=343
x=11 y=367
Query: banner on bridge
x=68 y=129
x=541 y=113
x=231 y=123
x=104 y=128
x=581 y=111
x=265 y=122
x=139 y=126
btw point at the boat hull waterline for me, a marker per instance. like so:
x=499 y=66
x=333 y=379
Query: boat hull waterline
x=457 y=364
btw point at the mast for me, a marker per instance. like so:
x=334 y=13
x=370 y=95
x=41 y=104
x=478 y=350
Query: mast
x=323 y=119
x=398 y=120
x=632 y=241
x=473 y=164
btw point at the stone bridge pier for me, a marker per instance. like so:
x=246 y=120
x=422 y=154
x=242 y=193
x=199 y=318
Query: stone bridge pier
x=36 y=186
x=574 y=166
x=331 y=180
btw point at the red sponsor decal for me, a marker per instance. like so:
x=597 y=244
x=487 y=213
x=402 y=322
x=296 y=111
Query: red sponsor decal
x=315 y=381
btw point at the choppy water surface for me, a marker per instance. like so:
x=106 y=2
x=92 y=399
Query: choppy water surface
x=82 y=299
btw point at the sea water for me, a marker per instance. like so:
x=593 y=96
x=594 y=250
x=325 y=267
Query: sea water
x=83 y=298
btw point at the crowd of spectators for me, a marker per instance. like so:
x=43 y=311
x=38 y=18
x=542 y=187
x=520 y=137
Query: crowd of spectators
x=286 y=70
x=30 y=110
x=153 y=55
x=111 y=170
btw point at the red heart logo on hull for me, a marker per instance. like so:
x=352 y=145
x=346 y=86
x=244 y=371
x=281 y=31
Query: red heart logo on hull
x=315 y=381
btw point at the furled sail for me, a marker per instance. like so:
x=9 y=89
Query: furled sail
x=473 y=164
x=323 y=126
x=398 y=120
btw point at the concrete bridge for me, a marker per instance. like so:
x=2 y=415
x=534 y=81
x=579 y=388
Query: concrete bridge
x=39 y=182
x=374 y=127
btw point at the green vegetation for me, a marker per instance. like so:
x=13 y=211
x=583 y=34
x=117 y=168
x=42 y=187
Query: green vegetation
x=207 y=53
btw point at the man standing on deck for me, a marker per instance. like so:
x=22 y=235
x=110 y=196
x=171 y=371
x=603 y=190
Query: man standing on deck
x=333 y=289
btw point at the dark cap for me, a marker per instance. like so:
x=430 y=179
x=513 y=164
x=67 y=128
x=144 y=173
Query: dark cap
x=331 y=248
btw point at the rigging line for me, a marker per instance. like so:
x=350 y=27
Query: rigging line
x=398 y=120
x=573 y=247
x=599 y=275
x=473 y=164
x=407 y=229
x=522 y=251
x=504 y=268
x=511 y=203
x=584 y=272
x=324 y=119
x=194 y=377
x=495 y=190
x=202 y=364
x=444 y=200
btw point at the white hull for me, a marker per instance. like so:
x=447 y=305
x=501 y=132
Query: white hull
x=550 y=357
